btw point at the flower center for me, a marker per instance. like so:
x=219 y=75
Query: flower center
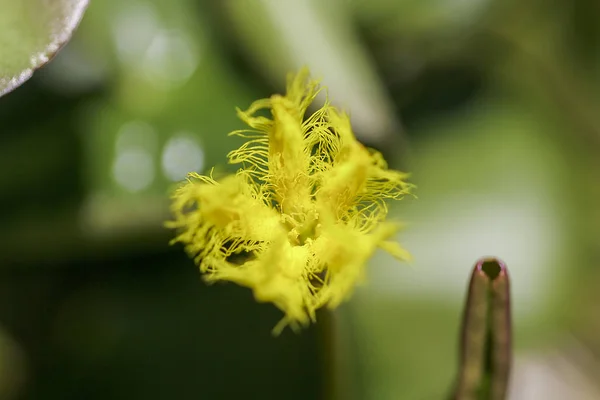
x=301 y=231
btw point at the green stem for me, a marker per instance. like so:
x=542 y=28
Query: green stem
x=485 y=354
x=327 y=336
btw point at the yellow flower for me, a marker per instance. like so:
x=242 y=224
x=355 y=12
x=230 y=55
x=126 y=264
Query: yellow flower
x=301 y=217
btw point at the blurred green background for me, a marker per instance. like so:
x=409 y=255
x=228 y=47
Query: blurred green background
x=491 y=105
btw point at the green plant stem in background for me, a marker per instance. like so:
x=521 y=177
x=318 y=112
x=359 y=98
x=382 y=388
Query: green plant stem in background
x=485 y=353
x=327 y=352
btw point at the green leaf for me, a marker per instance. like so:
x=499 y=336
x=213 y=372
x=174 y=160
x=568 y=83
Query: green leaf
x=31 y=33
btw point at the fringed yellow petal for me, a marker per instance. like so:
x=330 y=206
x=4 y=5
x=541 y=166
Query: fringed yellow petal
x=346 y=252
x=396 y=250
x=217 y=220
x=303 y=214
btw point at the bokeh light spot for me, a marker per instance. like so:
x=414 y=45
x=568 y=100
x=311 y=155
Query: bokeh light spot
x=182 y=154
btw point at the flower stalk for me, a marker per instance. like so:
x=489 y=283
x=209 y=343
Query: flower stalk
x=485 y=351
